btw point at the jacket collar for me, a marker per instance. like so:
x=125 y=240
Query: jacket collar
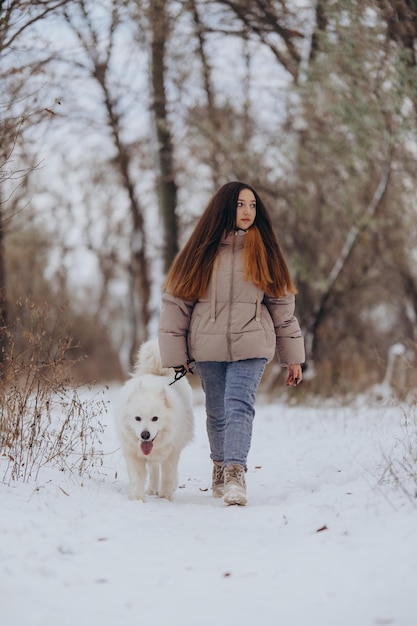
x=236 y=237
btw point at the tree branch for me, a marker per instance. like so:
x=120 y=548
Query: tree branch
x=358 y=228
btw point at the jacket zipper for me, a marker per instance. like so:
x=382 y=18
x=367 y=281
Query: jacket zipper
x=229 y=323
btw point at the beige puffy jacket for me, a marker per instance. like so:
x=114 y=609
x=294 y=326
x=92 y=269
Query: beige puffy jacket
x=236 y=321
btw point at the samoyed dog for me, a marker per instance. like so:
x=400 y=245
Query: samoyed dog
x=154 y=422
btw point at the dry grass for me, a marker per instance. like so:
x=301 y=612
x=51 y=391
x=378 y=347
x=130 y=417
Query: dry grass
x=401 y=461
x=44 y=417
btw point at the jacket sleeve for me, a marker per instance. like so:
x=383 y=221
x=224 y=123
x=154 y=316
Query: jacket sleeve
x=289 y=340
x=174 y=323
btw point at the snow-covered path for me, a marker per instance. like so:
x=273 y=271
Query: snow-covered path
x=319 y=544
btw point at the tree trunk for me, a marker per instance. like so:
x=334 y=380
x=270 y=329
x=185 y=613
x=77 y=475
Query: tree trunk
x=138 y=268
x=139 y=278
x=167 y=188
x=3 y=299
x=341 y=261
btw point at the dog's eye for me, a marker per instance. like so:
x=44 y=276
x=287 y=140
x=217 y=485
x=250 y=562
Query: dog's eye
x=155 y=418
x=137 y=418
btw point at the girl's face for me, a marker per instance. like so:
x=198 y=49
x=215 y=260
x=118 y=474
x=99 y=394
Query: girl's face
x=246 y=209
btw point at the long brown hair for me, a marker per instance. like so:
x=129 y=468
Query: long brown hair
x=265 y=265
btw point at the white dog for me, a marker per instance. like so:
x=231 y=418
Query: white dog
x=154 y=422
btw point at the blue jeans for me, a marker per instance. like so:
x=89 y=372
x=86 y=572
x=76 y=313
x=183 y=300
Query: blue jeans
x=230 y=390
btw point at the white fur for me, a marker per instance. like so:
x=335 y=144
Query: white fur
x=166 y=419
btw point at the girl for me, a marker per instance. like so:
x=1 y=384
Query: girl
x=229 y=306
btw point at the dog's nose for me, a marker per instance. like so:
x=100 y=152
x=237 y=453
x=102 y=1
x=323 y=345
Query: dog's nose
x=145 y=434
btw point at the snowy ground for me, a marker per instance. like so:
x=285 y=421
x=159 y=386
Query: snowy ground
x=320 y=543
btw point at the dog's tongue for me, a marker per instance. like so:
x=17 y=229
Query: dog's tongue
x=146 y=447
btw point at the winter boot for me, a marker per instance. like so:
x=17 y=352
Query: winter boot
x=234 y=484
x=217 y=483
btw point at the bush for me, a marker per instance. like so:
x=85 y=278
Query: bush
x=44 y=417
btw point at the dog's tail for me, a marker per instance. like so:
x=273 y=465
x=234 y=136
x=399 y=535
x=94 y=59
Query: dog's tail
x=149 y=360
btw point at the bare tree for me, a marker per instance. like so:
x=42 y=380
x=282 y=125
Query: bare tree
x=342 y=260
x=349 y=195
x=166 y=184
x=17 y=17
x=16 y=21
x=100 y=59
x=266 y=20
x=213 y=113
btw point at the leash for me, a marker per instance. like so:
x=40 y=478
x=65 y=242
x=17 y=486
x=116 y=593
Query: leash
x=180 y=372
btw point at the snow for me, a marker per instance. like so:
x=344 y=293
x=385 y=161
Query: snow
x=322 y=542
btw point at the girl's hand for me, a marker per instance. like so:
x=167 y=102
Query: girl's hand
x=183 y=367
x=182 y=370
x=295 y=375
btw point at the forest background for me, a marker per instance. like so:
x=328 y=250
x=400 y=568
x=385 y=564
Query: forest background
x=119 y=120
